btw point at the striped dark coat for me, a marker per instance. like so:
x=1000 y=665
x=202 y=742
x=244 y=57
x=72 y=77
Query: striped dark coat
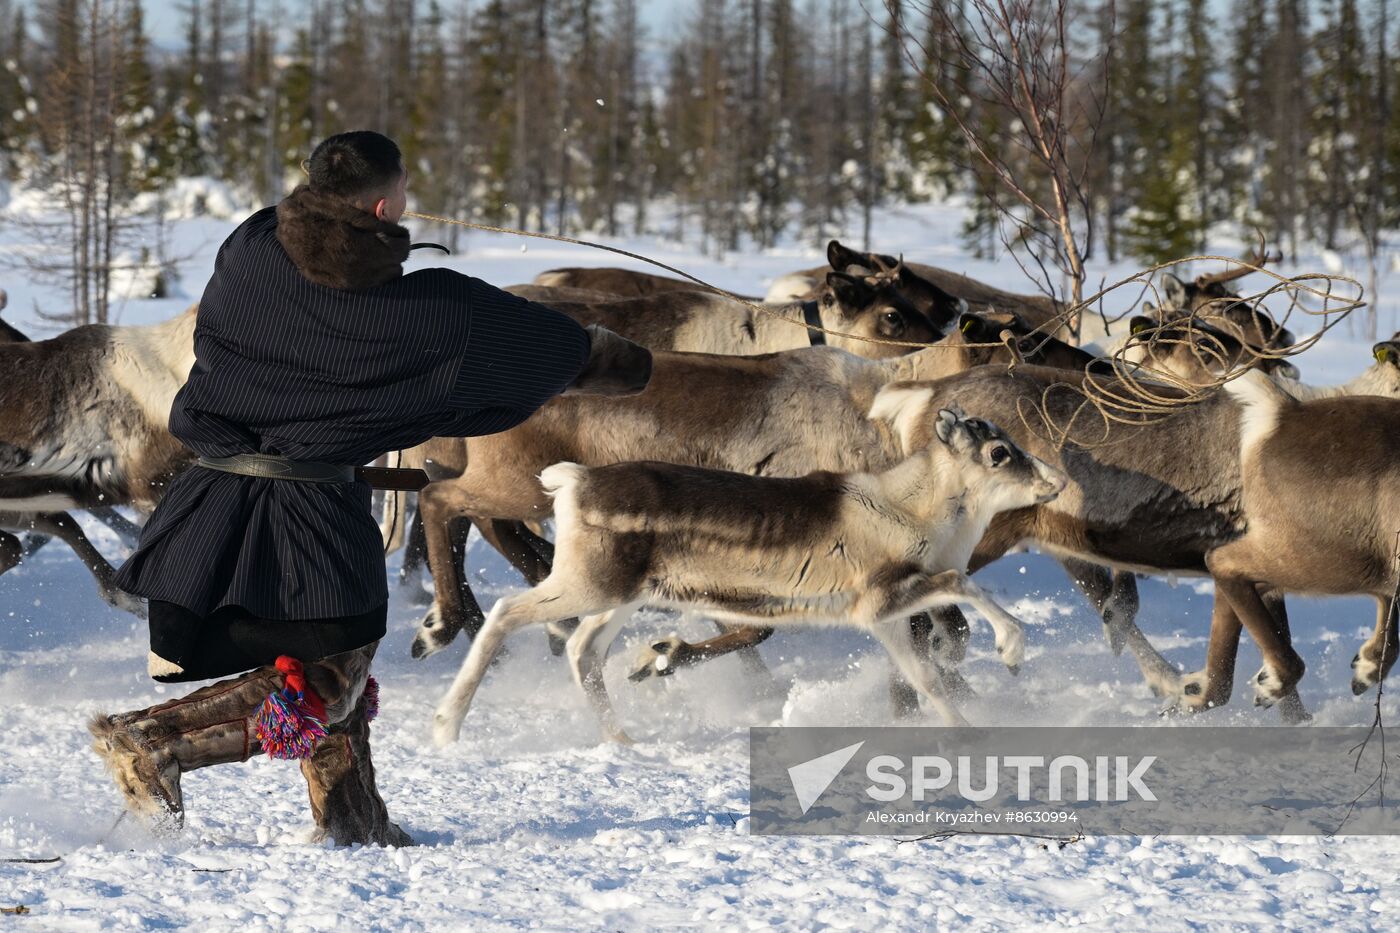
x=298 y=359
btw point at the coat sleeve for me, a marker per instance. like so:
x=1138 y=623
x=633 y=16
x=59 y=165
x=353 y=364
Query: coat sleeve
x=519 y=355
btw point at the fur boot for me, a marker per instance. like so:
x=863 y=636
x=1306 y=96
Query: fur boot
x=147 y=750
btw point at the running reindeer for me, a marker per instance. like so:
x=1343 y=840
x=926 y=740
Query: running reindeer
x=860 y=549
x=83 y=425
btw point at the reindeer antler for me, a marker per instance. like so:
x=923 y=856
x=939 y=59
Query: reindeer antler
x=1258 y=259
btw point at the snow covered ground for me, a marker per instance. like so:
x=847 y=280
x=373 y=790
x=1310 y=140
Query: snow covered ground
x=530 y=822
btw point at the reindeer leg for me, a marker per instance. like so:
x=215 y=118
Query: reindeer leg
x=1213 y=685
x=941 y=635
x=1373 y=662
x=918 y=591
x=128 y=531
x=545 y=603
x=663 y=658
x=64 y=527
x=587 y=650
x=522 y=548
x=415 y=556
x=1283 y=668
x=454 y=604
x=1290 y=706
x=1100 y=586
x=1115 y=597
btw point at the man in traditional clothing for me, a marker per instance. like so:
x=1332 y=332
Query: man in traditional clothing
x=315 y=353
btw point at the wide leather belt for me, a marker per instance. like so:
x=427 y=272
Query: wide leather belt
x=269 y=466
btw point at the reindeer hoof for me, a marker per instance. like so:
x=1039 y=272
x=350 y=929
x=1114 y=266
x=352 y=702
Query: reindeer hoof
x=446 y=729
x=1364 y=675
x=657 y=660
x=432 y=636
x=1268 y=688
x=620 y=738
x=1013 y=652
x=1189 y=695
x=1014 y=670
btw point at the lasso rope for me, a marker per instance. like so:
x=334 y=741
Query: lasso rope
x=1136 y=393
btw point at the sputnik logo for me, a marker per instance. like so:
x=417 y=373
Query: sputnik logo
x=810 y=779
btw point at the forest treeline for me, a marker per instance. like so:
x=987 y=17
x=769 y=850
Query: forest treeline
x=751 y=120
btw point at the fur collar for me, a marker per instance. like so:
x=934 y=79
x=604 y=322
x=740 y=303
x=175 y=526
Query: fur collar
x=338 y=245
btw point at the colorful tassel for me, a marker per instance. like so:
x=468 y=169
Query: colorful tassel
x=292 y=721
x=371 y=700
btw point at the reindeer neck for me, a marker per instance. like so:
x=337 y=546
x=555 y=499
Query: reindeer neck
x=942 y=359
x=777 y=330
x=924 y=485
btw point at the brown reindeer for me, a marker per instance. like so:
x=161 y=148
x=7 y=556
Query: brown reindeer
x=1340 y=456
x=1211 y=300
x=83 y=425
x=42 y=526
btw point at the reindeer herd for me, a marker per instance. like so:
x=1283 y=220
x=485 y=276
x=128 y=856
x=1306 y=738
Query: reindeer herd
x=851 y=472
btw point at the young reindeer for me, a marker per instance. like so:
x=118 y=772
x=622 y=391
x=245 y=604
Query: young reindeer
x=860 y=549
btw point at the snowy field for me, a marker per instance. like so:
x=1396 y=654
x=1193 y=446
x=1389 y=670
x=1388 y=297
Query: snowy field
x=530 y=823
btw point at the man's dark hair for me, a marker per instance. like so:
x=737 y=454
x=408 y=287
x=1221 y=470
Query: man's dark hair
x=349 y=165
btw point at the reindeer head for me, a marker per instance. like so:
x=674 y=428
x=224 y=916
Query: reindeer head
x=1211 y=298
x=1197 y=351
x=993 y=466
x=1030 y=345
x=937 y=305
x=871 y=306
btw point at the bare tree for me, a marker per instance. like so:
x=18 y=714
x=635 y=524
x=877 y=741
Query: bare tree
x=80 y=167
x=1016 y=60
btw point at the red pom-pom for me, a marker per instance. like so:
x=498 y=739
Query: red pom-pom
x=371 y=700
x=292 y=721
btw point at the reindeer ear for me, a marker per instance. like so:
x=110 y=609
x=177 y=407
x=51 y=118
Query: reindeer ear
x=953 y=431
x=944 y=425
x=1173 y=291
x=839 y=257
x=1140 y=323
x=1387 y=351
x=852 y=293
x=975 y=328
x=905 y=406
